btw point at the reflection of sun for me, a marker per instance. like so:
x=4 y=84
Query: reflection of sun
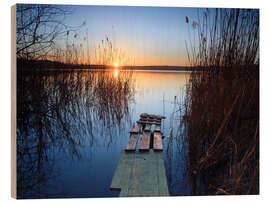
x=116 y=64
x=115 y=73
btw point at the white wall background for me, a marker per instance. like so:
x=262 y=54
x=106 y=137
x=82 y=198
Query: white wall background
x=5 y=107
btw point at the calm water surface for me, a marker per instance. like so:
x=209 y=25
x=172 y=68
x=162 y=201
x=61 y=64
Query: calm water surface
x=72 y=126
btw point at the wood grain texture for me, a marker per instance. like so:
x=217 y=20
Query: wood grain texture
x=144 y=175
x=162 y=179
x=145 y=141
x=144 y=180
x=157 y=145
x=151 y=116
x=157 y=128
x=123 y=171
x=147 y=127
x=131 y=145
x=135 y=129
x=148 y=122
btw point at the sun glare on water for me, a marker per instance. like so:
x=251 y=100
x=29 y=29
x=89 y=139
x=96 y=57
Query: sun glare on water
x=116 y=65
x=116 y=73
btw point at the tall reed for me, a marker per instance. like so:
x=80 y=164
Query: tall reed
x=222 y=103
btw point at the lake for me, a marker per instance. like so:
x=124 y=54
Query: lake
x=72 y=126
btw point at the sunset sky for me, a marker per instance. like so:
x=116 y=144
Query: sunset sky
x=139 y=35
x=145 y=35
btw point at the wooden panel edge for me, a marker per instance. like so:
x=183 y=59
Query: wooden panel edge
x=13 y=104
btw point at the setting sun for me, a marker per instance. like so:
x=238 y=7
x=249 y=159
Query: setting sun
x=116 y=64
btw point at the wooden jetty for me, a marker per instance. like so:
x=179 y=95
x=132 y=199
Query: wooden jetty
x=140 y=171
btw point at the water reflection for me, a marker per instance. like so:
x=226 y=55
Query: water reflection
x=59 y=112
x=72 y=126
x=115 y=73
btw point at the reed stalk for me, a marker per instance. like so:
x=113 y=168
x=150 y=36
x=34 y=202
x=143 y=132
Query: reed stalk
x=222 y=103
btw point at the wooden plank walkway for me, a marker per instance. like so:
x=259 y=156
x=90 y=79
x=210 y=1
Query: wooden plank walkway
x=140 y=175
x=145 y=141
x=157 y=128
x=149 y=122
x=147 y=127
x=136 y=129
x=132 y=143
x=158 y=146
x=123 y=171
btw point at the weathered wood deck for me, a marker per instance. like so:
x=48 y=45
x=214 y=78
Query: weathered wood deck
x=145 y=141
x=135 y=129
x=140 y=171
x=157 y=141
x=147 y=127
x=132 y=143
x=157 y=128
x=140 y=174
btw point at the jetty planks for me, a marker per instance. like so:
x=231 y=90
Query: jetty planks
x=142 y=173
x=144 y=176
x=135 y=129
x=162 y=179
x=157 y=128
x=149 y=122
x=147 y=127
x=131 y=145
x=123 y=171
x=152 y=116
x=144 y=180
x=157 y=144
x=145 y=141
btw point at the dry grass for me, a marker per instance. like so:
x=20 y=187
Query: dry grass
x=222 y=105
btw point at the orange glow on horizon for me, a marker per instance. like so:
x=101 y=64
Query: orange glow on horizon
x=116 y=64
x=131 y=58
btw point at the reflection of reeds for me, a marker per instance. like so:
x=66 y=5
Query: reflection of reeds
x=63 y=113
x=112 y=93
x=222 y=104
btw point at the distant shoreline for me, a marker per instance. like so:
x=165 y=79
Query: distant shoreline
x=29 y=65
x=45 y=65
